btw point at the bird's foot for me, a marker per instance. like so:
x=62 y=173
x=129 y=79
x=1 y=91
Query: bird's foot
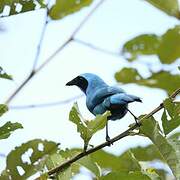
x=138 y=122
x=109 y=141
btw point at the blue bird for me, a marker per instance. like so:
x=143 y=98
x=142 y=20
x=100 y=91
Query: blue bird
x=101 y=97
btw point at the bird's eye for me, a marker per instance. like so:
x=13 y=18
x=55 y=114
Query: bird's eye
x=80 y=78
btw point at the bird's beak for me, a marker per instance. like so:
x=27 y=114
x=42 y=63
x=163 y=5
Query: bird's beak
x=72 y=82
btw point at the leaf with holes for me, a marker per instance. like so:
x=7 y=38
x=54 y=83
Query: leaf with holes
x=63 y=8
x=4 y=75
x=8 y=128
x=20 y=6
x=169 y=152
x=146 y=44
x=26 y=160
x=166 y=47
x=87 y=128
x=156 y=80
x=173 y=110
x=171 y=7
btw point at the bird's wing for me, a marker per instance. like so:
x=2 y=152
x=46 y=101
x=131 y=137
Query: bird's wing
x=114 y=102
x=100 y=94
x=119 y=99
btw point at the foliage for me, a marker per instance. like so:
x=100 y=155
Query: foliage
x=137 y=175
x=159 y=79
x=20 y=6
x=29 y=158
x=4 y=75
x=6 y=129
x=60 y=9
x=40 y=156
x=87 y=128
x=170 y=7
x=166 y=47
x=151 y=130
x=173 y=111
x=64 y=7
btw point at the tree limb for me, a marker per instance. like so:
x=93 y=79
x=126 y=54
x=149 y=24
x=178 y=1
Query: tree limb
x=46 y=62
x=116 y=138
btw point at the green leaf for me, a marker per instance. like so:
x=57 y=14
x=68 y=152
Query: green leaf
x=166 y=47
x=124 y=162
x=173 y=109
x=175 y=143
x=156 y=80
x=148 y=153
x=3 y=109
x=43 y=177
x=90 y=164
x=171 y=7
x=134 y=175
x=146 y=44
x=29 y=157
x=20 y=6
x=169 y=49
x=8 y=128
x=87 y=128
x=63 y=8
x=4 y=75
x=86 y=161
x=53 y=161
x=150 y=129
x=152 y=174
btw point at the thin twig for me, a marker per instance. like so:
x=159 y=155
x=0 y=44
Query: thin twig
x=70 y=38
x=116 y=138
x=44 y=105
x=35 y=72
x=41 y=38
x=35 y=59
x=99 y=49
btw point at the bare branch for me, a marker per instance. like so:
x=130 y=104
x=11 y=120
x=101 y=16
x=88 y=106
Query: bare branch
x=99 y=49
x=116 y=138
x=35 y=72
x=44 y=105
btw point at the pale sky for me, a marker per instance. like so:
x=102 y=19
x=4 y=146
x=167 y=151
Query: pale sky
x=109 y=28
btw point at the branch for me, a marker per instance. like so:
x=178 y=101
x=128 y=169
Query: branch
x=32 y=73
x=116 y=138
x=44 y=105
x=35 y=72
x=91 y=46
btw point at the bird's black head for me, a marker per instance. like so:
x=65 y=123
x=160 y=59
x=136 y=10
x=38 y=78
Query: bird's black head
x=79 y=81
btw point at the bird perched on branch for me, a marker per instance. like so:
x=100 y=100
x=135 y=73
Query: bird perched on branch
x=101 y=97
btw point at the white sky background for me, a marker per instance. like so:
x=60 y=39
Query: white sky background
x=110 y=27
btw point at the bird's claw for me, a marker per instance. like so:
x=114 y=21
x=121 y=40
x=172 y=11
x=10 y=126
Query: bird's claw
x=109 y=141
x=138 y=122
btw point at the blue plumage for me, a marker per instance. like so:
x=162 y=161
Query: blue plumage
x=101 y=97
